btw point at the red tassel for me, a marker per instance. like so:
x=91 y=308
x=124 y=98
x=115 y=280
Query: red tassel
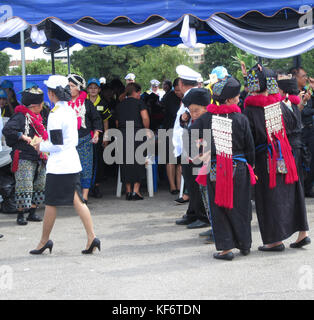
x=292 y=172
x=224 y=182
x=15 y=162
x=202 y=176
x=252 y=175
x=79 y=123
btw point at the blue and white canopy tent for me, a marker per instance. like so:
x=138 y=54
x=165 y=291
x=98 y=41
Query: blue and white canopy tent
x=268 y=29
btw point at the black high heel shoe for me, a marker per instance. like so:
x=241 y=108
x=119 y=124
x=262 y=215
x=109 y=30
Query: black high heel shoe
x=48 y=245
x=94 y=244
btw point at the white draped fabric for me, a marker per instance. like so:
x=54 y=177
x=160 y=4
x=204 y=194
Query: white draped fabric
x=104 y=35
x=11 y=27
x=275 y=45
x=188 y=35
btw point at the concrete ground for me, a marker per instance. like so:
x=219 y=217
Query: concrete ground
x=145 y=255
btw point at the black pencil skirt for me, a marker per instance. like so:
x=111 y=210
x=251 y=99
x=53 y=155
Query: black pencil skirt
x=60 y=189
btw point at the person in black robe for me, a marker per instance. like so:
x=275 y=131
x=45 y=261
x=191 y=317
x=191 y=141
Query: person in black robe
x=132 y=109
x=288 y=88
x=279 y=211
x=231 y=224
x=196 y=101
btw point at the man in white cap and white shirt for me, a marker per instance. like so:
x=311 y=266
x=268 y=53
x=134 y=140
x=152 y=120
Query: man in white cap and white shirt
x=187 y=80
x=155 y=89
x=129 y=78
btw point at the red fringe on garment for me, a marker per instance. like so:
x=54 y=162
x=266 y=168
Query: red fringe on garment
x=286 y=150
x=224 y=181
x=15 y=162
x=201 y=179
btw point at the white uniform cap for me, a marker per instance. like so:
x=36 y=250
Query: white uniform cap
x=187 y=73
x=102 y=80
x=55 y=81
x=130 y=76
x=154 y=83
x=200 y=79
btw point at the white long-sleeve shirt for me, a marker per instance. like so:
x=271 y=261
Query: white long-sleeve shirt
x=63 y=157
x=178 y=130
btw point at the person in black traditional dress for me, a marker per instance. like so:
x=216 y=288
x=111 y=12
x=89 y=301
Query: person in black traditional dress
x=132 y=109
x=288 y=88
x=280 y=210
x=231 y=174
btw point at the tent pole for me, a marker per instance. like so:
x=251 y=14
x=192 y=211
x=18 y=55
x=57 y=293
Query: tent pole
x=69 y=61
x=53 y=69
x=23 y=60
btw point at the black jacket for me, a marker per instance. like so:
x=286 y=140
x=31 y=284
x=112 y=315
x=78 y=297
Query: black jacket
x=12 y=131
x=93 y=120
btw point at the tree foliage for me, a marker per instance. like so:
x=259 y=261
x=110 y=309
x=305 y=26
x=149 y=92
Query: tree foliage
x=115 y=62
x=160 y=63
x=4 y=63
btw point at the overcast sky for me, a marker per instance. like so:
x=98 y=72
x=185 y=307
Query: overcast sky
x=32 y=54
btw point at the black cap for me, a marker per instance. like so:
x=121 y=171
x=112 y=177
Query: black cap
x=199 y=96
x=226 y=89
x=32 y=96
x=288 y=84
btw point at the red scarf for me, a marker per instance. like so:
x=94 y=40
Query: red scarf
x=76 y=105
x=40 y=131
x=293 y=99
x=224 y=166
x=281 y=136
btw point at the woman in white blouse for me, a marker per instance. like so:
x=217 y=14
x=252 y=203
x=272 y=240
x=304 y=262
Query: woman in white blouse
x=63 y=167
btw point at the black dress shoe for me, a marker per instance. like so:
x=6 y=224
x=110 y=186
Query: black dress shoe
x=1 y=236
x=206 y=233
x=136 y=196
x=128 y=196
x=197 y=224
x=32 y=216
x=245 y=252
x=305 y=241
x=174 y=191
x=180 y=201
x=184 y=221
x=21 y=220
x=227 y=256
x=280 y=247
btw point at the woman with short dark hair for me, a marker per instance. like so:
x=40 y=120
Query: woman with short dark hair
x=132 y=109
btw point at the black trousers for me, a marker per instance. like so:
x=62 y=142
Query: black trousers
x=196 y=208
x=308 y=140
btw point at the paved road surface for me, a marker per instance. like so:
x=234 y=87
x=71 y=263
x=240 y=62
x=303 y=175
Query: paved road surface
x=144 y=255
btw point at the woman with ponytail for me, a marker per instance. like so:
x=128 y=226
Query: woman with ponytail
x=89 y=125
x=230 y=169
x=132 y=109
x=277 y=207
